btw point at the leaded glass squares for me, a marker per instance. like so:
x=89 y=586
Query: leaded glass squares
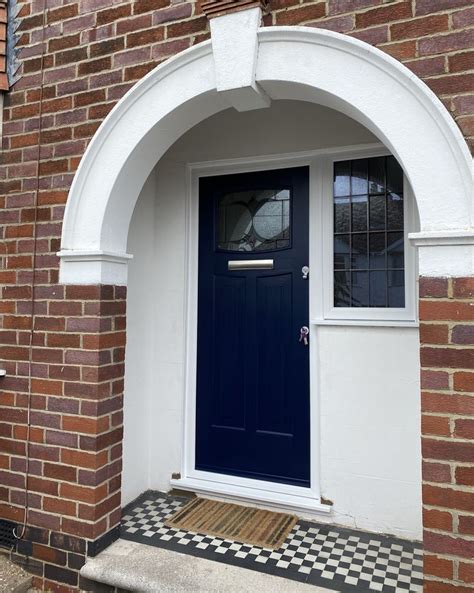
x=368 y=233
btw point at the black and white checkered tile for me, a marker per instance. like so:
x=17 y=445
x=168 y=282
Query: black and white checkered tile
x=337 y=558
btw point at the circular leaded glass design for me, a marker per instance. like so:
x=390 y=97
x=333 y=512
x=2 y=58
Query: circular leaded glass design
x=254 y=220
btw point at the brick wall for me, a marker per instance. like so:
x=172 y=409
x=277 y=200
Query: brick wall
x=75 y=447
x=447 y=380
x=93 y=51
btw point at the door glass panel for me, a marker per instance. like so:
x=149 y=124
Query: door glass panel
x=254 y=220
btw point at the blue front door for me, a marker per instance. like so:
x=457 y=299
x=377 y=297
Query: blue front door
x=252 y=407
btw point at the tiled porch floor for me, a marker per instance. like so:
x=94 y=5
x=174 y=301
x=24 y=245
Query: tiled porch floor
x=337 y=558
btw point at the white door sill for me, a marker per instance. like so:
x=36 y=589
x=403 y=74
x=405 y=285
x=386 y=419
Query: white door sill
x=304 y=506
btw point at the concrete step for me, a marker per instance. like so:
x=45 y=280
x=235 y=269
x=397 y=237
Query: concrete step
x=138 y=567
x=13 y=579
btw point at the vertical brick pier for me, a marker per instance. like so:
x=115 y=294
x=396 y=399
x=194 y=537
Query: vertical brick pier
x=447 y=381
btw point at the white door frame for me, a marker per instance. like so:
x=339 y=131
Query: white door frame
x=303 y=500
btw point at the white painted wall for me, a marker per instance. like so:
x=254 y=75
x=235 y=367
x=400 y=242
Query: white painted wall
x=368 y=378
x=370 y=427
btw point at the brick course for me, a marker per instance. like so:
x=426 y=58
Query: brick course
x=94 y=51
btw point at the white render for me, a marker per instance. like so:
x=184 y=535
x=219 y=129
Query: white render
x=235 y=48
x=292 y=63
x=365 y=379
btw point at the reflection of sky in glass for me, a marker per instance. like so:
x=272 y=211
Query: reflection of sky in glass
x=368 y=233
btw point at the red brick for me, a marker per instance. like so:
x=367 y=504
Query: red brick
x=401 y=51
x=463 y=288
x=384 y=14
x=93 y=66
x=134 y=24
x=83 y=529
x=85 y=425
x=62 y=13
x=464 y=428
x=341 y=6
x=60 y=472
x=466 y=525
x=463 y=334
x=448 y=498
x=463 y=381
x=145 y=37
x=82 y=493
x=465 y=476
x=83 y=292
x=174 y=13
x=46 y=387
x=420 y=27
x=466 y=572
x=340 y=24
x=438 y=567
x=444 y=43
x=455 y=358
x=429 y=6
x=374 y=35
x=436 y=425
x=49 y=554
x=439 y=587
x=109 y=46
x=434 y=519
x=463 y=18
x=141 y=6
x=447 y=450
x=82 y=459
x=427 y=66
x=302 y=14
x=44 y=520
x=450 y=84
x=41 y=485
x=187 y=27
x=433 y=333
x=444 y=544
x=461 y=62
x=113 y=14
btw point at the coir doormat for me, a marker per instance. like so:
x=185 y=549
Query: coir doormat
x=232 y=521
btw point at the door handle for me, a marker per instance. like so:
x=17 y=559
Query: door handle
x=304 y=335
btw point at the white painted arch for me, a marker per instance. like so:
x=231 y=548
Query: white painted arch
x=292 y=63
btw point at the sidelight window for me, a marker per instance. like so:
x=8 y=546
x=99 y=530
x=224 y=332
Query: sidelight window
x=368 y=233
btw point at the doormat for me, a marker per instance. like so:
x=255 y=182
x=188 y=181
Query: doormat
x=232 y=521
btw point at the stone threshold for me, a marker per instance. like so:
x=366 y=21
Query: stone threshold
x=138 y=567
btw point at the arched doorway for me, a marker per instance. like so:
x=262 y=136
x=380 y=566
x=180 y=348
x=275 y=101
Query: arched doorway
x=293 y=65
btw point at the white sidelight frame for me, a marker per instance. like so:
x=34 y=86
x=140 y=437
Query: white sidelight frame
x=326 y=313
x=320 y=162
x=298 y=63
